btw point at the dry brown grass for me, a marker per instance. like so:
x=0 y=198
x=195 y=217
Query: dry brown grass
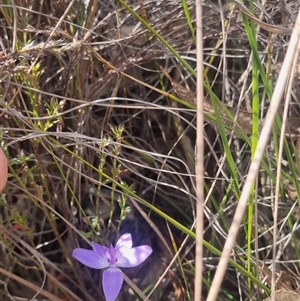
x=83 y=110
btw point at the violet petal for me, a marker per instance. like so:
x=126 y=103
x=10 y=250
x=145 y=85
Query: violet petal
x=134 y=256
x=124 y=242
x=112 y=281
x=101 y=250
x=90 y=258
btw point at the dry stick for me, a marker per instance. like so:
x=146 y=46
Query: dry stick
x=13 y=47
x=29 y=285
x=254 y=168
x=199 y=156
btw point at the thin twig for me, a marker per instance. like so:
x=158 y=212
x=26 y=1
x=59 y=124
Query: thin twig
x=199 y=156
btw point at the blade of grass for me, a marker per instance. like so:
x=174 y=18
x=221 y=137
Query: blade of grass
x=251 y=31
x=188 y=18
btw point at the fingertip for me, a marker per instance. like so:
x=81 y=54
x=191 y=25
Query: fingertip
x=3 y=170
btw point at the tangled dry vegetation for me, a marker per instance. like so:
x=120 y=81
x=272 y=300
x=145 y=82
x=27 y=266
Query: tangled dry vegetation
x=89 y=123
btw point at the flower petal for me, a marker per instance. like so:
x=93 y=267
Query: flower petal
x=112 y=281
x=90 y=258
x=124 y=242
x=101 y=250
x=133 y=257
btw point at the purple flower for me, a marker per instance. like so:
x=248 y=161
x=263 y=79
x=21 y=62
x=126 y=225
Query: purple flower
x=123 y=256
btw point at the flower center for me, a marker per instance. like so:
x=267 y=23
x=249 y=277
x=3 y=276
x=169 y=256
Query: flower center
x=112 y=255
